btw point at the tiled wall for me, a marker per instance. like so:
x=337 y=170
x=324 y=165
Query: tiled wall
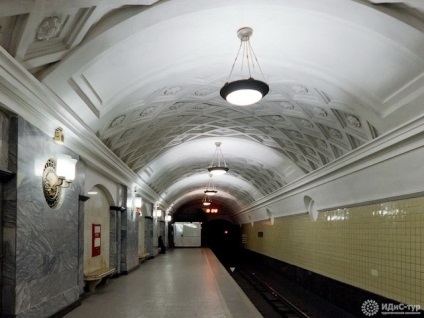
x=377 y=247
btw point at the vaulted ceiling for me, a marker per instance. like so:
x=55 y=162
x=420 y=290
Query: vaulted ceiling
x=145 y=76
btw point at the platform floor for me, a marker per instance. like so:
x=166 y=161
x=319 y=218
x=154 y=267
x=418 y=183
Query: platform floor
x=188 y=282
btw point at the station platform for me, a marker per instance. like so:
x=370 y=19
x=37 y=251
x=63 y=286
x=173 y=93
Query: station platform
x=188 y=282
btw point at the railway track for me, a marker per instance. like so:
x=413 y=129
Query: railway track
x=282 y=307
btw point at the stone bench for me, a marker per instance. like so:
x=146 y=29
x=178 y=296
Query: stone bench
x=143 y=256
x=94 y=278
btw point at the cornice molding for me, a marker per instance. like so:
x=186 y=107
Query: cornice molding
x=401 y=140
x=24 y=95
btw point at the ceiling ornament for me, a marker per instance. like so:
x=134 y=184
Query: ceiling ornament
x=310 y=151
x=318 y=111
x=127 y=133
x=287 y=105
x=296 y=134
x=117 y=121
x=278 y=118
x=301 y=158
x=204 y=92
x=171 y=90
x=147 y=111
x=306 y=124
x=176 y=106
x=50 y=28
x=322 y=143
x=200 y=106
x=248 y=91
x=335 y=133
x=353 y=121
x=300 y=89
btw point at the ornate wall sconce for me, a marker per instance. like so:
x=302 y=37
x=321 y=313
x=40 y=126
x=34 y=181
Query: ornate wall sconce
x=57 y=174
x=59 y=137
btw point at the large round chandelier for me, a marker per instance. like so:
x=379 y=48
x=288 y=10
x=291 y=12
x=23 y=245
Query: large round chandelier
x=248 y=91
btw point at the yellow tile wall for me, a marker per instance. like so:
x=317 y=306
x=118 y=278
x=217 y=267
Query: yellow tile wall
x=377 y=247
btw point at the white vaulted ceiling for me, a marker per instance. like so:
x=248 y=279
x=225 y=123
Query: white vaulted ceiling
x=145 y=78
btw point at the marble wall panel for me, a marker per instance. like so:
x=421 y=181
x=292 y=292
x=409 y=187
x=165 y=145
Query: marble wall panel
x=45 y=261
x=4 y=141
x=129 y=235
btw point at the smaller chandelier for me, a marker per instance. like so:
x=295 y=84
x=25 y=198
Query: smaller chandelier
x=210 y=188
x=248 y=91
x=206 y=201
x=216 y=167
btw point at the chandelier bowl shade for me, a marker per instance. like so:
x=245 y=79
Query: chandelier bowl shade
x=210 y=192
x=244 y=92
x=217 y=171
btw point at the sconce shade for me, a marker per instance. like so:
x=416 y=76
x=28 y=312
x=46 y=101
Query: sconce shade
x=65 y=167
x=244 y=92
x=57 y=174
x=137 y=202
x=168 y=218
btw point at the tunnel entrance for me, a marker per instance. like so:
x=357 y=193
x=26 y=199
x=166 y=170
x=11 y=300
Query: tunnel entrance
x=224 y=239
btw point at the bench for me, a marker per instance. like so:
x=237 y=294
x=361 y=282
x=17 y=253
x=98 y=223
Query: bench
x=143 y=256
x=95 y=277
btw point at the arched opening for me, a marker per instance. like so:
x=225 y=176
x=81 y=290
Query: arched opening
x=224 y=239
x=97 y=229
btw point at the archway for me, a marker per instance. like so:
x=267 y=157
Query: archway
x=97 y=229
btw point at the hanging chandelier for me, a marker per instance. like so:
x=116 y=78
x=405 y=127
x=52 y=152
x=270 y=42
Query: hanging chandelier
x=206 y=200
x=210 y=188
x=246 y=91
x=217 y=167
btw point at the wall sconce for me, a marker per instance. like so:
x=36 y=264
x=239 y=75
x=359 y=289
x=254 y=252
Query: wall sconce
x=59 y=137
x=158 y=213
x=137 y=202
x=168 y=218
x=57 y=174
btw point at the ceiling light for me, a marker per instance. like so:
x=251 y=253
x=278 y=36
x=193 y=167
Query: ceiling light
x=210 y=188
x=206 y=201
x=248 y=91
x=218 y=168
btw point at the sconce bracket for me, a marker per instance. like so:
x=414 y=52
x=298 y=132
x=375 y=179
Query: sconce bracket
x=51 y=192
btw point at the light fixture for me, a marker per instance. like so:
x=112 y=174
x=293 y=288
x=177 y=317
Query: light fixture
x=59 y=137
x=158 y=213
x=216 y=168
x=248 y=91
x=206 y=201
x=168 y=218
x=57 y=174
x=137 y=202
x=210 y=188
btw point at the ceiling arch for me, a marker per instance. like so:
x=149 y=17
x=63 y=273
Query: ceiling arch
x=146 y=78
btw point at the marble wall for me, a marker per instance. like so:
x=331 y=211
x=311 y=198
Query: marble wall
x=42 y=245
x=129 y=238
x=4 y=141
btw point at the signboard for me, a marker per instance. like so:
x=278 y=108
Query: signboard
x=96 y=239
